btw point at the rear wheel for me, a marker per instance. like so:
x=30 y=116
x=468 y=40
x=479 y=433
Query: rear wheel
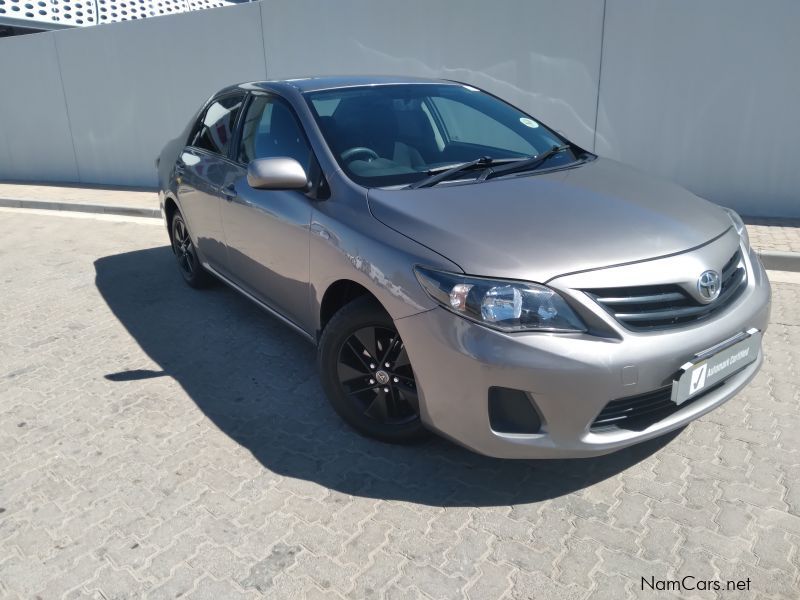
x=366 y=373
x=182 y=246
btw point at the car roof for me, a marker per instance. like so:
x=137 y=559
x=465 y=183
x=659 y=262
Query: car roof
x=315 y=84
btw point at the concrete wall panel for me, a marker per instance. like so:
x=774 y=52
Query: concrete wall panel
x=35 y=140
x=706 y=94
x=543 y=56
x=132 y=86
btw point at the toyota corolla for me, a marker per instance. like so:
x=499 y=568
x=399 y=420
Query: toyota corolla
x=463 y=268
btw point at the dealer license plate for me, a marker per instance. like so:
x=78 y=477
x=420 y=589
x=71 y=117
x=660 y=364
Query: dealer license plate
x=715 y=365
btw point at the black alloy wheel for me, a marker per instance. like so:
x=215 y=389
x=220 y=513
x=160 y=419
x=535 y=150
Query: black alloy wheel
x=375 y=373
x=367 y=375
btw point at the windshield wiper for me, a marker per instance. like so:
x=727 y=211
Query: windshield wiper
x=522 y=165
x=436 y=177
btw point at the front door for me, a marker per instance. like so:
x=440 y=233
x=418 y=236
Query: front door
x=267 y=231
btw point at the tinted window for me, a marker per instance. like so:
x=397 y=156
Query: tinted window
x=215 y=129
x=396 y=134
x=270 y=129
x=470 y=126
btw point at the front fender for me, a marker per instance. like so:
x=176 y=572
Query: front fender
x=348 y=243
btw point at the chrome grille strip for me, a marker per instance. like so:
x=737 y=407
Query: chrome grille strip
x=651 y=299
x=664 y=306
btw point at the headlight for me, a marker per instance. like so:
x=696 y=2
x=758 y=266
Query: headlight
x=739 y=225
x=499 y=304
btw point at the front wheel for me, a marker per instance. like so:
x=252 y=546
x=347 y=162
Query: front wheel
x=366 y=373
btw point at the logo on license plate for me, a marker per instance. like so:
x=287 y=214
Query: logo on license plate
x=698 y=379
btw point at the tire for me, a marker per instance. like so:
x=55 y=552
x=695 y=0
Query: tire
x=354 y=341
x=189 y=265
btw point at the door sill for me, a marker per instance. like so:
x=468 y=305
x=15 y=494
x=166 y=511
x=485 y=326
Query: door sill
x=260 y=304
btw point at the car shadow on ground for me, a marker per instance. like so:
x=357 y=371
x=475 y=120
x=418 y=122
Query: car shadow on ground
x=256 y=381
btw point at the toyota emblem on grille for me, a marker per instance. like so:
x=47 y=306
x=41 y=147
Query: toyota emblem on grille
x=708 y=284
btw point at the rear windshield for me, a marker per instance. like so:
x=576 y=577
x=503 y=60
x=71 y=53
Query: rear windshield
x=396 y=134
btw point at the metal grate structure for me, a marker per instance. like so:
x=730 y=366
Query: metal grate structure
x=57 y=14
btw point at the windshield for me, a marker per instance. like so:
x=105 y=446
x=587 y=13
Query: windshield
x=399 y=134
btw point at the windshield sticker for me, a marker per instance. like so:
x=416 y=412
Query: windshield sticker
x=470 y=88
x=528 y=122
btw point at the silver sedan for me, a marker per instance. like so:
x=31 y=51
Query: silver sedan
x=462 y=267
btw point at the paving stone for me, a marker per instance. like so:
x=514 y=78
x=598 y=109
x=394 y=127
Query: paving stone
x=699 y=493
x=262 y=573
x=534 y=584
x=576 y=564
x=492 y=582
x=733 y=519
x=717 y=545
x=610 y=587
x=434 y=583
x=23 y=576
x=178 y=585
x=377 y=576
x=210 y=589
x=659 y=539
x=773 y=550
x=605 y=535
x=117 y=584
x=369 y=539
x=631 y=511
x=219 y=562
x=690 y=517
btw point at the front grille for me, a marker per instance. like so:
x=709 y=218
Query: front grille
x=640 y=412
x=664 y=306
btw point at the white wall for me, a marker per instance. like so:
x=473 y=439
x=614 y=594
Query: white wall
x=702 y=93
x=517 y=49
x=707 y=94
x=35 y=139
x=145 y=78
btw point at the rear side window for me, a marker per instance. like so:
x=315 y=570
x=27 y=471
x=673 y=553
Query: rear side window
x=214 y=130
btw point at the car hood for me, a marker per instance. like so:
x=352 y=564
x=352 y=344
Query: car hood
x=537 y=227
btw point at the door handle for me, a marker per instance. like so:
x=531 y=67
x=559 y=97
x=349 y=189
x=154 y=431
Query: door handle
x=228 y=192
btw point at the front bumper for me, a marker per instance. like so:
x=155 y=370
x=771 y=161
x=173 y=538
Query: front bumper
x=569 y=377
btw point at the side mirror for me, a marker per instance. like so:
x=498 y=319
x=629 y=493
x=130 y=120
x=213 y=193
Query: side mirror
x=276 y=174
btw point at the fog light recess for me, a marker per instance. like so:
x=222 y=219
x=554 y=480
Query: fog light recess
x=511 y=411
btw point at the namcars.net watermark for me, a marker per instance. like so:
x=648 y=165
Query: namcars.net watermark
x=691 y=583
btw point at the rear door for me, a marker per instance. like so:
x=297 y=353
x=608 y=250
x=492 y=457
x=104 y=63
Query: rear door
x=204 y=168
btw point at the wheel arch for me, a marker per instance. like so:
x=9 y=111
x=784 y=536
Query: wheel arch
x=337 y=295
x=170 y=208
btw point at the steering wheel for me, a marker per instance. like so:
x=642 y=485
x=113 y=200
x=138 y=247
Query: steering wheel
x=357 y=151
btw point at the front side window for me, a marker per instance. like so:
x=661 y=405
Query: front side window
x=215 y=128
x=389 y=135
x=270 y=130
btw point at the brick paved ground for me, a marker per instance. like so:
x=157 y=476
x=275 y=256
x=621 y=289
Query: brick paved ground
x=774 y=234
x=160 y=442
